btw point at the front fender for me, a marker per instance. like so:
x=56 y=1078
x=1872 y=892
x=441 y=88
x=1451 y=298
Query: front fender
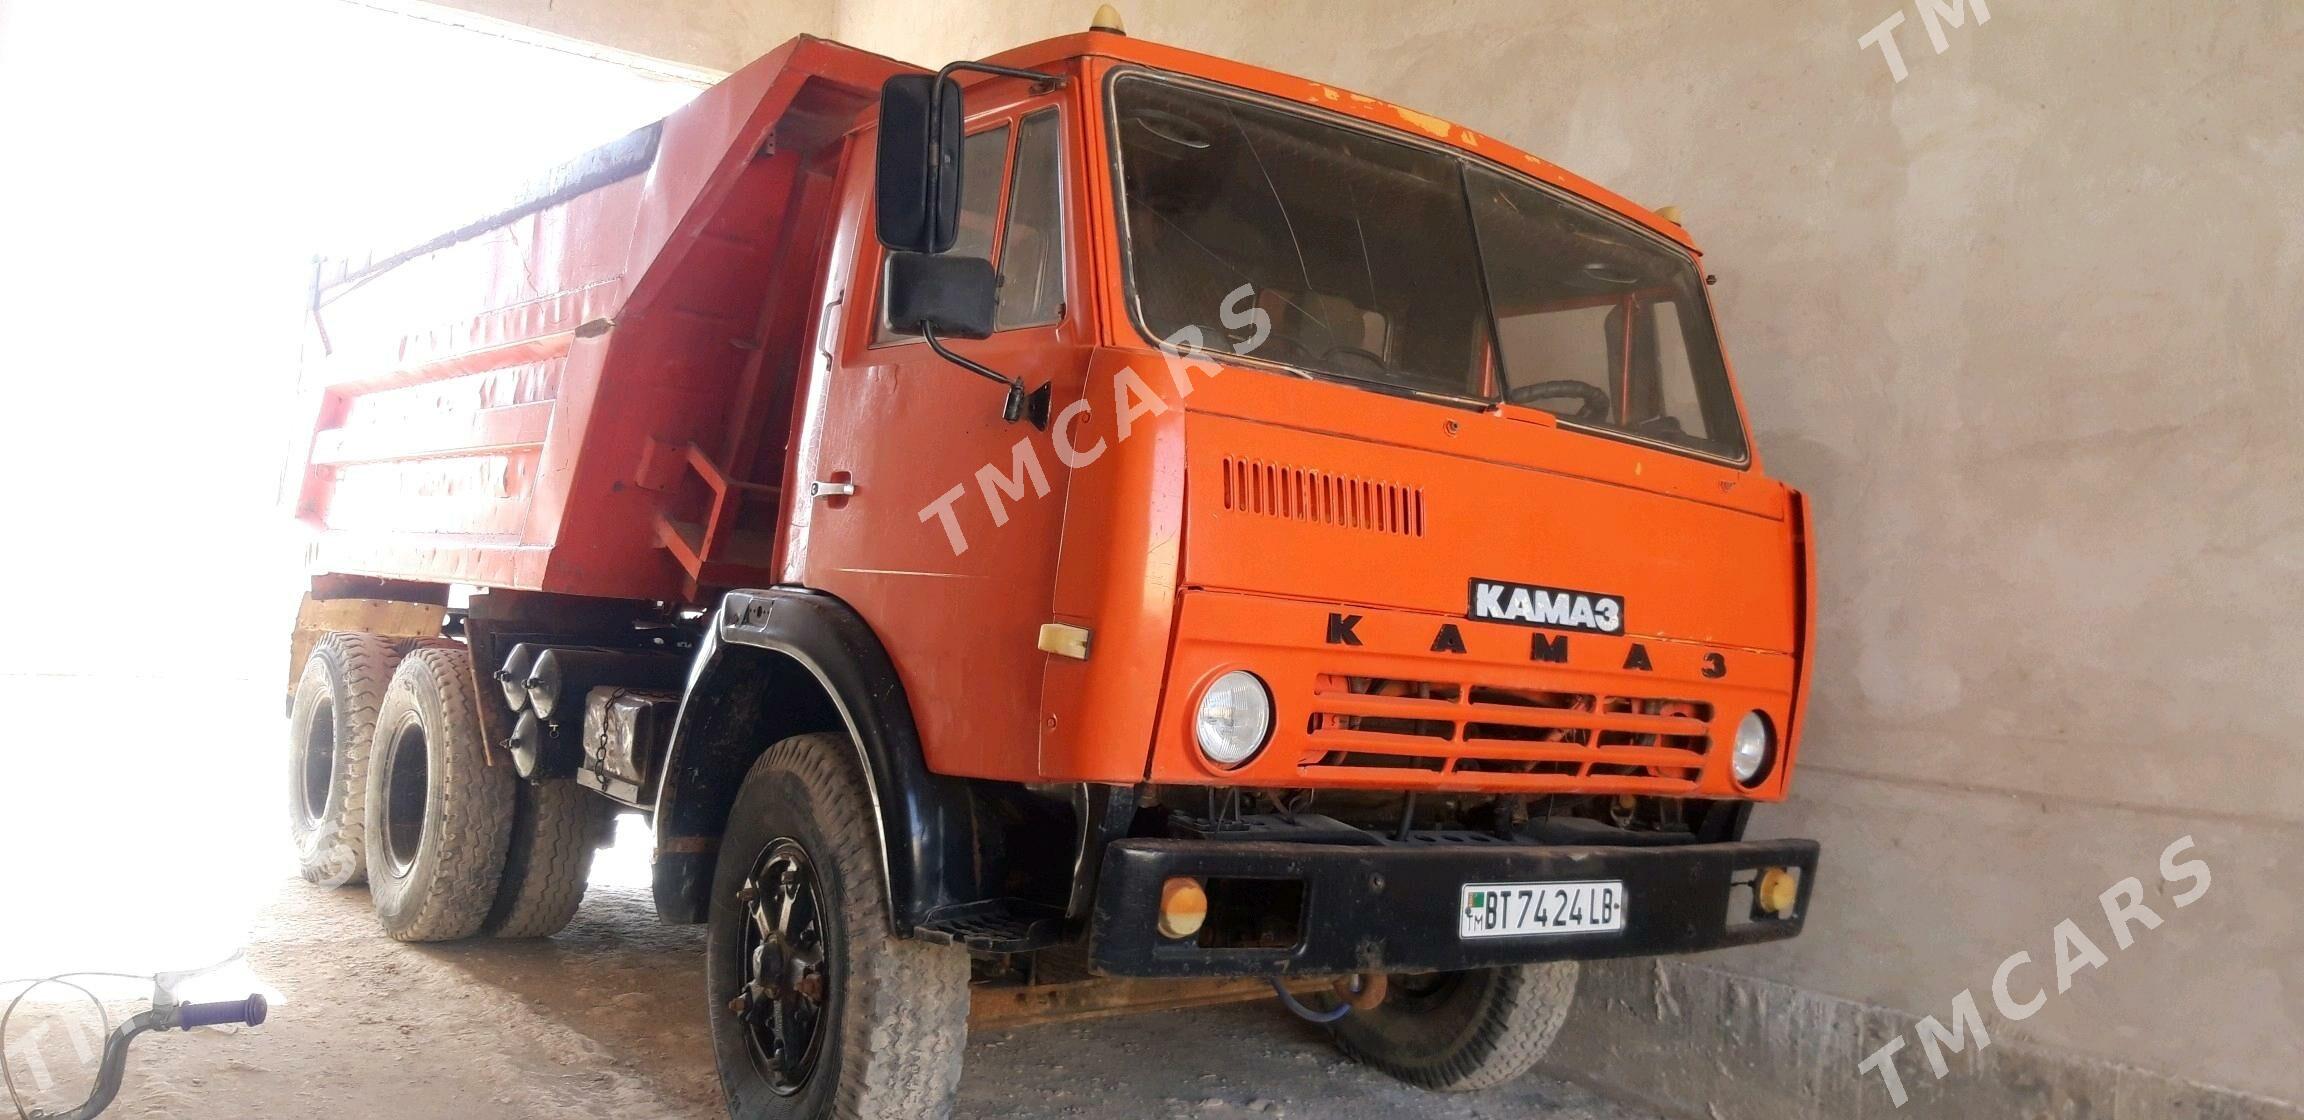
x=784 y=661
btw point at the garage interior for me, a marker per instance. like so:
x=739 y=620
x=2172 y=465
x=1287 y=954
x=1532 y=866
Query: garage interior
x=2019 y=312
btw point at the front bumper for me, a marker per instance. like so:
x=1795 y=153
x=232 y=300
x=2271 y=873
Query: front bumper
x=1394 y=908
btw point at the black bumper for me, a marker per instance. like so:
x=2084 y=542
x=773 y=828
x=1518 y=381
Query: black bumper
x=1394 y=908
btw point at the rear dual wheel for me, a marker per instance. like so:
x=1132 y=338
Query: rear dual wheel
x=439 y=816
x=389 y=781
x=331 y=722
x=556 y=826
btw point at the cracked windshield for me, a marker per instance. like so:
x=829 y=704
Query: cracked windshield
x=1409 y=270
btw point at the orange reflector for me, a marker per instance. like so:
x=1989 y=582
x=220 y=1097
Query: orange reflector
x=1779 y=889
x=1183 y=908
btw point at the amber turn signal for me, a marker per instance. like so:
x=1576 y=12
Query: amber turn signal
x=1779 y=890
x=1183 y=908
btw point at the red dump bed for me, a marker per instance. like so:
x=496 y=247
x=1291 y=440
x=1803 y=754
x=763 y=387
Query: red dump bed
x=589 y=392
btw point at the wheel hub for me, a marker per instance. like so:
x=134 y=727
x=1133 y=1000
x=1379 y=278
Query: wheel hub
x=407 y=793
x=785 y=981
x=318 y=769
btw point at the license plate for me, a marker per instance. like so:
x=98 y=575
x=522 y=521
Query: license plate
x=1533 y=909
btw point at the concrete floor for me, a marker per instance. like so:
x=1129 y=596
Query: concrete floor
x=605 y=1020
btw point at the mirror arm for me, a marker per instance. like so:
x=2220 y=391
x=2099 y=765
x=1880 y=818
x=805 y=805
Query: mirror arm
x=969 y=364
x=1044 y=82
x=1021 y=403
x=1041 y=83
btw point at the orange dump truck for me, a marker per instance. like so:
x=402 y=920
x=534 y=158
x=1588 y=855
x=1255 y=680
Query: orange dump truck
x=1096 y=527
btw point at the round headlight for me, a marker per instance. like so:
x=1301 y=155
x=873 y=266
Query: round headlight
x=1234 y=717
x=1755 y=746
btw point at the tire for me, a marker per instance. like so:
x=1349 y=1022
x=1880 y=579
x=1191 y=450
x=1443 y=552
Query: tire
x=1460 y=1031
x=556 y=826
x=439 y=816
x=331 y=721
x=891 y=1014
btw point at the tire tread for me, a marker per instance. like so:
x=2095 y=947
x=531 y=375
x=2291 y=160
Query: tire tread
x=362 y=665
x=555 y=829
x=453 y=897
x=905 y=1019
x=1521 y=1013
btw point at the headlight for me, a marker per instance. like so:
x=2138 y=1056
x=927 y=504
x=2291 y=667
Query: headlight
x=1755 y=748
x=1235 y=716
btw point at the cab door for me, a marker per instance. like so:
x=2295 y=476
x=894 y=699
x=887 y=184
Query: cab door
x=947 y=541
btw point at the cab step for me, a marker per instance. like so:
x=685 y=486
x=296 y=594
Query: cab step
x=1006 y=925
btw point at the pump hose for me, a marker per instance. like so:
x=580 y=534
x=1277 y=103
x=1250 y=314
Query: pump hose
x=1296 y=1007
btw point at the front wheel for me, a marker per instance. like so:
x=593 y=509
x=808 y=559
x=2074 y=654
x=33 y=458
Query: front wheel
x=1459 y=1031
x=816 y=1009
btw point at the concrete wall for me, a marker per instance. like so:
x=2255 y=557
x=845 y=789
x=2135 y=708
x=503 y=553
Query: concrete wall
x=2025 y=325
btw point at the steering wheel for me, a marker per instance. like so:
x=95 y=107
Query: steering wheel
x=1595 y=398
x=1278 y=347
x=1345 y=358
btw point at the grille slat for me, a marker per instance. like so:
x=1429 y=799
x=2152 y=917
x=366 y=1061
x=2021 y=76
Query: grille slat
x=1503 y=781
x=1509 y=737
x=1320 y=497
x=1409 y=707
x=1395 y=746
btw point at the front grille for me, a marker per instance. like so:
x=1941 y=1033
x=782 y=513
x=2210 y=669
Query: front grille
x=1517 y=739
x=1303 y=494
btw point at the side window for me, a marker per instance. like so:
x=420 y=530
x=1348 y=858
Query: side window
x=1568 y=344
x=1032 y=258
x=1681 y=400
x=1588 y=344
x=983 y=159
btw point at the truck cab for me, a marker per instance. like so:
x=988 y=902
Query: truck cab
x=1174 y=520
x=1384 y=467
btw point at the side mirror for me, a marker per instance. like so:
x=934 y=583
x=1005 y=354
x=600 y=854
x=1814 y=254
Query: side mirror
x=939 y=297
x=954 y=297
x=917 y=188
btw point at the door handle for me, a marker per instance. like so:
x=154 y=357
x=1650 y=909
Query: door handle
x=821 y=490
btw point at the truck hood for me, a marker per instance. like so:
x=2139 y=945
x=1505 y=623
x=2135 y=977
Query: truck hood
x=1280 y=509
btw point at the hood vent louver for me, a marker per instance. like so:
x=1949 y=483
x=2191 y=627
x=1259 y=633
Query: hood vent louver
x=1301 y=494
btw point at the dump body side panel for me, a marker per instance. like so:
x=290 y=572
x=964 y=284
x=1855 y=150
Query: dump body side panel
x=441 y=382
x=586 y=393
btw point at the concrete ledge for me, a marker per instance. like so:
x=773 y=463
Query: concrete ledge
x=1700 y=1043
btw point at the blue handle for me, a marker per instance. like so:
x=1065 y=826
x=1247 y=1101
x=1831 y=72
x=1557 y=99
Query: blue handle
x=250 y=1011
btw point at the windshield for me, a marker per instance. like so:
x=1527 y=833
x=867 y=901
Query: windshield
x=1409 y=268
